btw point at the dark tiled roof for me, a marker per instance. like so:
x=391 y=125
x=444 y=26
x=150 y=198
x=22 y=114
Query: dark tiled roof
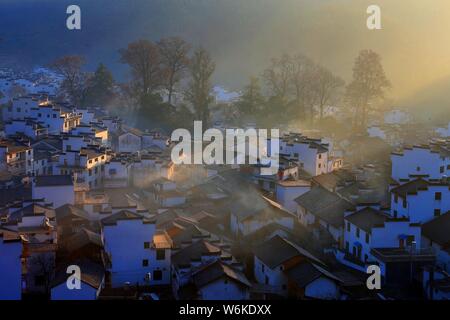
x=194 y=252
x=317 y=199
x=217 y=270
x=305 y=273
x=68 y=210
x=81 y=239
x=438 y=230
x=91 y=273
x=411 y=187
x=367 y=218
x=56 y=180
x=334 y=213
x=123 y=215
x=278 y=250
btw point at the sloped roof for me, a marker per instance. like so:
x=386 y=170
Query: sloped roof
x=367 y=218
x=194 y=252
x=305 y=273
x=411 y=187
x=317 y=199
x=438 y=230
x=217 y=270
x=67 y=210
x=277 y=250
x=82 y=238
x=92 y=273
x=123 y=215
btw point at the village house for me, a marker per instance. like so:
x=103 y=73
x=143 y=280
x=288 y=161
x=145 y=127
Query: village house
x=10 y=264
x=16 y=156
x=312 y=154
x=368 y=227
x=285 y=269
x=435 y=235
x=245 y=220
x=55 y=189
x=204 y=269
x=420 y=200
x=323 y=210
x=28 y=128
x=137 y=257
x=35 y=224
x=92 y=281
x=428 y=161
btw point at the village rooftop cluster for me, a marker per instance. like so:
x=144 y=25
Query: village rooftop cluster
x=81 y=187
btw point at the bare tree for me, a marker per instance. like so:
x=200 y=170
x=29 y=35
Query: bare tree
x=326 y=87
x=199 y=90
x=144 y=59
x=277 y=76
x=302 y=77
x=174 y=53
x=70 y=68
x=368 y=85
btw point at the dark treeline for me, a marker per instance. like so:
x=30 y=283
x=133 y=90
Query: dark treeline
x=170 y=86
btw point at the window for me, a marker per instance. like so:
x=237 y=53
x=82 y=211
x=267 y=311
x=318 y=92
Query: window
x=90 y=172
x=263 y=269
x=395 y=213
x=320 y=156
x=396 y=198
x=146 y=245
x=438 y=196
x=357 y=232
x=442 y=169
x=145 y=263
x=320 y=165
x=160 y=254
x=437 y=212
x=367 y=238
x=157 y=275
x=295 y=155
x=348 y=226
x=404 y=203
x=448 y=167
x=347 y=246
x=54 y=115
x=418 y=169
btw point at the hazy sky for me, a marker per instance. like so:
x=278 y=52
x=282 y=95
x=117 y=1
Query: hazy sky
x=243 y=35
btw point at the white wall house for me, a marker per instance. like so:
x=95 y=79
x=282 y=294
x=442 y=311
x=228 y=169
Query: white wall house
x=220 y=281
x=56 y=189
x=273 y=259
x=420 y=200
x=287 y=191
x=369 y=228
x=311 y=154
x=10 y=265
x=431 y=162
x=135 y=258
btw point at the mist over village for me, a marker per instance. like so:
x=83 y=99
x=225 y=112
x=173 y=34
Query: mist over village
x=224 y=150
